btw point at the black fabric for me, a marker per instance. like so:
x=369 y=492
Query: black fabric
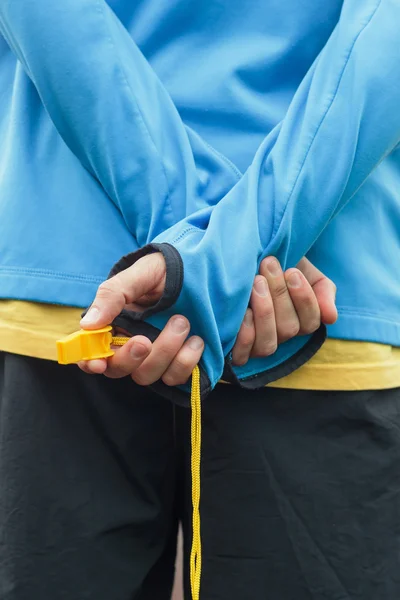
x=300 y=490
x=296 y=361
x=173 y=280
x=87 y=486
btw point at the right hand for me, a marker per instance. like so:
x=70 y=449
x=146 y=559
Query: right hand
x=171 y=357
x=282 y=306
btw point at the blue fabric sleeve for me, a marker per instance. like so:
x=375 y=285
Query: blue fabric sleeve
x=343 y=121
x=113 y=112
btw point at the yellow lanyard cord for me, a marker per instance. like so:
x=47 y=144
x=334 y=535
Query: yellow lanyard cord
x=119 y=341
x=87 y=345
x=195 y=401
x=195 y=555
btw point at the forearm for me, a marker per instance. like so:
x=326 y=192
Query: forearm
x=113 y=112
x=342 y=122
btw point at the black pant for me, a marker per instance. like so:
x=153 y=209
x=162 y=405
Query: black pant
x=300 y=490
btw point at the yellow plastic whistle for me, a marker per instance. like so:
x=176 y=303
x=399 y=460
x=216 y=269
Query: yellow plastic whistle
x=85 y=345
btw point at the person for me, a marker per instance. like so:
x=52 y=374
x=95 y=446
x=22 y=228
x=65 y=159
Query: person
x=231 y=165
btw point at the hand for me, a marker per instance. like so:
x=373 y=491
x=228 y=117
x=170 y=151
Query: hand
x=172 y=356
x=284 y=305
x=288 y=309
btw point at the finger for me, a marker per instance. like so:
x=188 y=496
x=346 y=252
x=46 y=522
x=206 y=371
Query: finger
x=304 y=301
x=180 y=369
x=245 y=340
x=266 y=340
x=163 y=352
x=128 y=358
x=146 y=276
x=93 y=367
x=287 y=322
x=324 y=290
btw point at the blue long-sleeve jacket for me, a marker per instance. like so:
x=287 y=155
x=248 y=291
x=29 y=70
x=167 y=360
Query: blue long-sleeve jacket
x=300 y=99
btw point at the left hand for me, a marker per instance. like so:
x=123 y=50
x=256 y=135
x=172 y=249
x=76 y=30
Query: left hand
x=282 y=306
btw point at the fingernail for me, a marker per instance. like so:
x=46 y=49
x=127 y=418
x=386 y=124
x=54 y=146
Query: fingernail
x=179 y=325
x=138 y=350
x=91 y=316
x=248 y=318
x=273 y=267
x=294 y=280
x=260 y=285
x=196 y=343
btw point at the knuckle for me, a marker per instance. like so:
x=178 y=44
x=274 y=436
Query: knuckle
x=183 y=365
x=280 y=290
x=245 y=341
x=176 y=377
x=311 y=326
x=112 y=373
x=179 y=372
x=267 y=349
x=328 y=283
x=105 y=289
x=288 y=330
x=142 y=379
x=240 y=360
x=307 y=301
x=165 y=353
x=169 y=379
x=172 y=380
x=273 y=347
x=270 y=348
x=266 y=310
x=155 y=265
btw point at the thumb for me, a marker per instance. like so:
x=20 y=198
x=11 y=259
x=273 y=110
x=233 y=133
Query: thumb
x=146 y=276
x=324 y=290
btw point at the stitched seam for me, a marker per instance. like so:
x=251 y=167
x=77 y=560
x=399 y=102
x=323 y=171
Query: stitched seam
x=49 y=273
x=365 y=313
x=308 y=150
x=183 y=234
x=226 y=160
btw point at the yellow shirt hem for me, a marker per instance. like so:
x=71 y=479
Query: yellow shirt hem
x=32 y=329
